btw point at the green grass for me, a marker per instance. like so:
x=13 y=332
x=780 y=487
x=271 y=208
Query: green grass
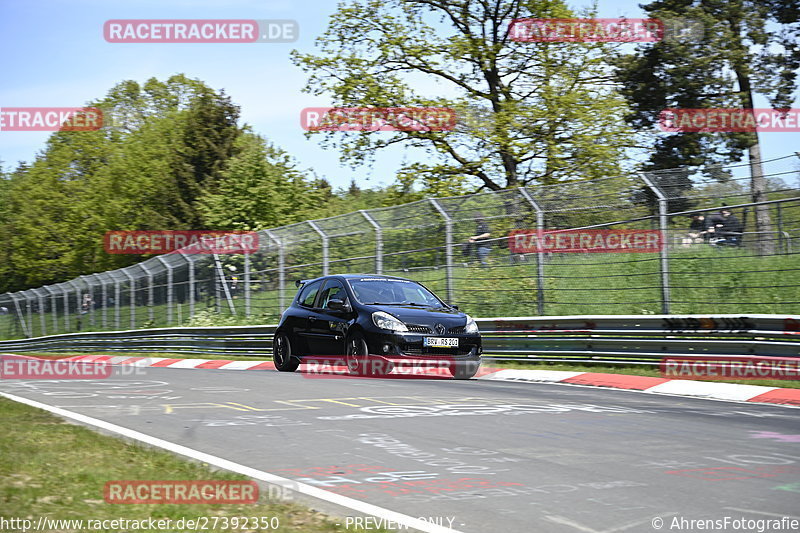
x=52 y=468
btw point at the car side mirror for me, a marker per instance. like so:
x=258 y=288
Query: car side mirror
x=454 y=307
x=335 y=304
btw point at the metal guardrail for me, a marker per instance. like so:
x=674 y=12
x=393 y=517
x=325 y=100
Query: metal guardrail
x=606 y=338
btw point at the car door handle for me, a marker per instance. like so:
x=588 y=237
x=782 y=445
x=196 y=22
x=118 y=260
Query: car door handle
x=312 y=319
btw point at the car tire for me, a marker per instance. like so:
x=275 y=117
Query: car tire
x=358 y=360
x=282 y=355
x=465 y=369
x=355 y=354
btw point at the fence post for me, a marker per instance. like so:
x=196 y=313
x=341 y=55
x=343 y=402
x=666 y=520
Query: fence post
x=90 y=292
x=132 y=297
x=448 y=248
x=378 y=241
x=191 y=285
x=29 y=310
x=78 y=303
x=65 y=298
x=247 y=284
x=117 y=298
x=539 y=253
x=662 y=223
x=324 y=236
x=169 y=288
x=103 y=301
x=20 y=315
x=42 y=318
x=150 y=295
x=281 y=269
x=53 y=314
x=221 y=274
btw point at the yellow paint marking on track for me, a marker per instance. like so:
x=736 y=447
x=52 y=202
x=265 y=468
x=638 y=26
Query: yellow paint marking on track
x=292 y=405
x=169 y=408
x=246 y=407
x=337 y=401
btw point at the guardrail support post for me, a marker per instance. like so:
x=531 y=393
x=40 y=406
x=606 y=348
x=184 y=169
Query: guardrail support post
x=448 y=248
x=324 y=237
x=281 y=270
x=539 y=253
x=662 y=224
x=378 y=240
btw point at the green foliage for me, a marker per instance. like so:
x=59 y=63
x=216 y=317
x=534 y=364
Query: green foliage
x=527 y=112
x=743 y=47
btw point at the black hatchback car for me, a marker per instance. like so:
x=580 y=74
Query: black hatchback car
x=355 y=316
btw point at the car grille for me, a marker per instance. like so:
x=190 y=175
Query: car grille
x=418 y=329
x=460 y=330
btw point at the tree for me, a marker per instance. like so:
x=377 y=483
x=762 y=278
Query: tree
x=748 y=47
x=165 y=144
x=528 y=112
x=260 y=188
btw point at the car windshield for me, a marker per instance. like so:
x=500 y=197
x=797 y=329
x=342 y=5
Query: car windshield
x=392 y=292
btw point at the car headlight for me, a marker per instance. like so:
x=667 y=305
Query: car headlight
x=387 y=321
x=471 y=326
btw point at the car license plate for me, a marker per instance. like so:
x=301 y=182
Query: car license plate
x=440 y=342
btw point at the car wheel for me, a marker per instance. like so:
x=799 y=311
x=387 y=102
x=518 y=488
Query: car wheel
x=465 y=369
x=356 y=354
x=282 y=355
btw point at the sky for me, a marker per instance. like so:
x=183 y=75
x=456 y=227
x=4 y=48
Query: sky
x=53 y=54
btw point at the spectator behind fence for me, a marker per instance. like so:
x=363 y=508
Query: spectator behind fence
x=480 y=241
x=698 y=230
x=726 y=228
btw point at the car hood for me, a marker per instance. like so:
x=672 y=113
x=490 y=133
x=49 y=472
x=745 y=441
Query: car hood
x=423 y=315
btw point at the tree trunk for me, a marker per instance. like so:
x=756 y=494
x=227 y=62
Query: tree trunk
x=765 y=243
x=764 y=239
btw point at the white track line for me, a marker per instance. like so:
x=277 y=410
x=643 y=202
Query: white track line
x=302 y=488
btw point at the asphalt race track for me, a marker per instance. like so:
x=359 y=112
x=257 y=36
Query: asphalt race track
x=490 y=456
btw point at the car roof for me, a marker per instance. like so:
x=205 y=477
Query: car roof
x=351 y=276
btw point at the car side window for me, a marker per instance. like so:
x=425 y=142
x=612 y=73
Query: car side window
x=309 y=294
x=333 y=289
